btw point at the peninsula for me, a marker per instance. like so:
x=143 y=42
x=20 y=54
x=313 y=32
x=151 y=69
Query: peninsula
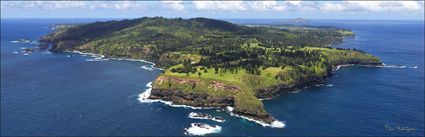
x=214 y=63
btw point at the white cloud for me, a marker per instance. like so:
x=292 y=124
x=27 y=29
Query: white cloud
x=220 y=5
x=118 y=5
x=176 y=5
x=313 y=6
x=332 y=7
x=274 y=7
x=372 y=6
x=266 y=5
x=78 y=5
x=238 y=5
x=294 y=2
x=248 y=6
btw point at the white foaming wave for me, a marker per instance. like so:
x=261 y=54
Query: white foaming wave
x=197 y=130
x=194 y=115
x=295 y=91
x=97 y=59
x=103 y=57
x=152 y=65
x=265 y=99
x=144 y=98
x=47 y=52
x=146 y=68
x=383 y=66
x=84 y=53
x=274 y=124
x=318 y=85
x=16 y=41
x=329 y=85
x=15 y=52
x=345 y=65
x=393 y=66
x=229 y=108
x=337 y=67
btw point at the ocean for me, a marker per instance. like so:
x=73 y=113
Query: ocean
x=69 y=94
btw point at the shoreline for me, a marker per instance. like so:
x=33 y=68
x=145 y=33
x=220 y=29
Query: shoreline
x=144 y=96
x=103 y=56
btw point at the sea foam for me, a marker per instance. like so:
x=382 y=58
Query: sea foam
x=274 y=124
x=47 y=52
x=152 y=65
x=394 y=66
x=200 y=129
x=194 y=115
x=295 y=91
x=146 y=68
x=383 y=66
x=99 y=57
x=346 y=65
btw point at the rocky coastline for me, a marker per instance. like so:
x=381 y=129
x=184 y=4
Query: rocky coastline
x=191 y=99
x=205 y=101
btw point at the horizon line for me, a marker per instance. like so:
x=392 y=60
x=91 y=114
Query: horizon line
x=209 y=17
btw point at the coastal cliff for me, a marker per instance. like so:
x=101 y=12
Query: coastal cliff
x=214 y=63
x=243 y=91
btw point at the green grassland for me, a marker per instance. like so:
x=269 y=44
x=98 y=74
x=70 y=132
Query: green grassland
x=245 y=100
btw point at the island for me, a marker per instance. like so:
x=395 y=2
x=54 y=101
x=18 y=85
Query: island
x=214 y=63
x=298 y=20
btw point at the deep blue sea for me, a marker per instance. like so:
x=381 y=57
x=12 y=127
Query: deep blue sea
x=61 y=94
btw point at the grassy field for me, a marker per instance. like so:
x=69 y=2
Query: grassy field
x=245 y=99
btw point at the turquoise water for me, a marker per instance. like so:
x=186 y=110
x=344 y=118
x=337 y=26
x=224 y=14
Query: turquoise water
x=66 y=94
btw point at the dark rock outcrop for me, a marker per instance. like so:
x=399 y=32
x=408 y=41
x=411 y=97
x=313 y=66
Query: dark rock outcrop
x=191 y=99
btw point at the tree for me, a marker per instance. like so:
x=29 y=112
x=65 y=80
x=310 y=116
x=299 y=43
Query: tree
x=193 y=85
x=199 y=74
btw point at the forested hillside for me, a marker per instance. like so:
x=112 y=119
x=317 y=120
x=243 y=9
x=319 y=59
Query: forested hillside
x=153 y=38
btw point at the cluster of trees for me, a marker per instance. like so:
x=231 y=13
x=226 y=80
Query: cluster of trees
x=187 y=68
x=353 y=49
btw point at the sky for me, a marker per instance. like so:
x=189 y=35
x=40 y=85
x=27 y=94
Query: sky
x=386 y=10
